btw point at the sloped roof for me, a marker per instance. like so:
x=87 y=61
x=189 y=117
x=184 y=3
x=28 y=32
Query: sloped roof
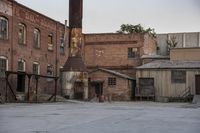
x=168 y=64
x=114 y=73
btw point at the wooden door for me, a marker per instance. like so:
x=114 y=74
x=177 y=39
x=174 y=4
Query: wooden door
x=197 y=83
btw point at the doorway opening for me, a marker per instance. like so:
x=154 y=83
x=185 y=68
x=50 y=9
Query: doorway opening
x=21 y=82
x=197 y=84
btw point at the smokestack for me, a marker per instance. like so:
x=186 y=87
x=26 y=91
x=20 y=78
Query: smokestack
x=74 y=69
x=75 y=61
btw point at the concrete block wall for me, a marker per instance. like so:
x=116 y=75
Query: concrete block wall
x=185 y=40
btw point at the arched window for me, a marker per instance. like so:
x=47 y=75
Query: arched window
x=22 y=33
x=21 y=65
x=3 y=66
x=36 y=68
x=3 y=28
x=36 y=38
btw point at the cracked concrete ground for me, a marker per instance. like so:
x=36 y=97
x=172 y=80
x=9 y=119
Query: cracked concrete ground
x=120 y=117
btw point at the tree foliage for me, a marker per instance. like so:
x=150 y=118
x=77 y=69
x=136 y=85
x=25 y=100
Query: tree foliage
x=171 y=43
x=129 y=28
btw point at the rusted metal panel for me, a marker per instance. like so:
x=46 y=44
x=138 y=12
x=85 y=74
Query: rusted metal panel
x=75 y=13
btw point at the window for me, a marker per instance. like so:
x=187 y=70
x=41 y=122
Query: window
x=50 y=42
x=62 y=46
x=111 y=81
x=133 y=52
x=36 y=68
x=3 y=28
x=178 y=76
x=49 y=70
x=21 y=65
x=3 y=66
x=36 y=38
x=22 y=34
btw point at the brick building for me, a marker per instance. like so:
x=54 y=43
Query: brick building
x=109 y=55
x=34 y=43
x=30 y=42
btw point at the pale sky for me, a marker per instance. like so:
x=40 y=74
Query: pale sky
x=102 y=16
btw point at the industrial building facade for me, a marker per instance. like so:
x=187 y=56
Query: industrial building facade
x=33 y=43
x=30 y=43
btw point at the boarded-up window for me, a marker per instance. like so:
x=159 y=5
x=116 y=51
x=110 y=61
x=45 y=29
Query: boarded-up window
x=112 y=81
x=178 y=76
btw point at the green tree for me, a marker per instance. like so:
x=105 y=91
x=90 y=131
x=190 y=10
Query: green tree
x=129 y=28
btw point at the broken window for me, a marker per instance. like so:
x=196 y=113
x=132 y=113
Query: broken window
x=133 y=52
x=22 y=34
x=36 y=68
x=111 y=81
x=3 y=28
x=3 y=66
x=21 y=65
x=50 y=42
x=36 y=38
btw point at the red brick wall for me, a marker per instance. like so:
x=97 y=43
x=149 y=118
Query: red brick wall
x=14 y=51
x=119 y=92
x=111 y=50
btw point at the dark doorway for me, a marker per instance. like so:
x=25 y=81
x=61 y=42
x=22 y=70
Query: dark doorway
x=197 y=82
x=133 y=83
x=99 y=89
x=146 y=86
x=21 y=82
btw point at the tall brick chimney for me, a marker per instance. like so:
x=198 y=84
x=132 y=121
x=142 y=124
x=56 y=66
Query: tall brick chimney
x=74 y=68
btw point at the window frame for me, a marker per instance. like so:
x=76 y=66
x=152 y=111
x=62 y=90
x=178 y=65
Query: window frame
x=52 y=72
x=4 y=37
x=112 y=81
x=62 y=45
x=178 y=76
x=24 y=65
x=36 y=44
x=50 y=43
x=133 y=53
x=38 y=64
x=24 y=36
x=6 y=69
